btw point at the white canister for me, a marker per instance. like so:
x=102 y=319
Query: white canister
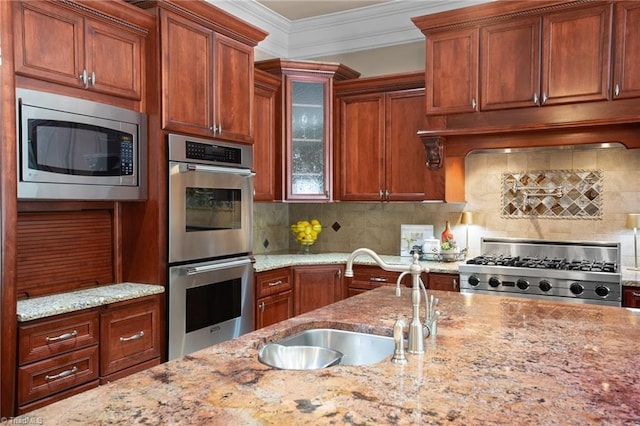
x=431 y=246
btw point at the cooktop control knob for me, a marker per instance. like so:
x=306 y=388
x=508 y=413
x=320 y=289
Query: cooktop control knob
x=545 y=285
x=494 y=282
x=522 y=284
x=473 y=281
x=602 y=291
x=576 y=288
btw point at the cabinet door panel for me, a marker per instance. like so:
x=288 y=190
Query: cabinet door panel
x=405 y=166
x=49 y=42
x=631 y=297
x=362 y=147
x=115 y=56
x=129 y=335
x=273 y=309
x=233 y=89
x=187 y=76
x=510 y=64
x=576 y=51
x=452 y=72
x=627 y=50
x=316 y=286
x=266 y=144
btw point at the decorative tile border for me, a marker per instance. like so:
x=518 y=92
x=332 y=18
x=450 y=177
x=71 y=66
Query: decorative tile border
x=552 y=194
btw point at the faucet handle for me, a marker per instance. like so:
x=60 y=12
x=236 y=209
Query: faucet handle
x=398 y=339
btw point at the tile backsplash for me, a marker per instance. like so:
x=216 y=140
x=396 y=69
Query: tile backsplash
x=377 y=225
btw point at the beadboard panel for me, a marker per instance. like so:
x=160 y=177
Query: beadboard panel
x=63 y=251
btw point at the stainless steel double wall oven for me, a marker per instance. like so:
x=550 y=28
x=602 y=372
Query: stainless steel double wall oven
x=211 y=288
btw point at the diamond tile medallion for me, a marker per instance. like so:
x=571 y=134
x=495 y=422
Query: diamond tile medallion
x=553 y=194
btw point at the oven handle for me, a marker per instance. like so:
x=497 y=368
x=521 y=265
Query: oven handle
x=190 y=167
x=192 y=270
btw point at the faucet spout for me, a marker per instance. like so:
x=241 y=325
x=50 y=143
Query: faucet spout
x=416 y=334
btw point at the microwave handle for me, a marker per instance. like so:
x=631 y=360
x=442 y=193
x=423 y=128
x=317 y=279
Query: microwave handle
x=192 y=270
x=184 y=168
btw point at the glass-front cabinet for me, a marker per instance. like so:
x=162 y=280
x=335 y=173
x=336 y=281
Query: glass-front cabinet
x=307 y=106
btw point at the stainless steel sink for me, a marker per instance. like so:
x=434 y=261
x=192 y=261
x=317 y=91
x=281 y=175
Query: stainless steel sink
x=357 y=348
x=298 y=357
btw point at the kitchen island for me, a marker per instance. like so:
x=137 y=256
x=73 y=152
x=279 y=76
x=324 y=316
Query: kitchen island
x=495 y=360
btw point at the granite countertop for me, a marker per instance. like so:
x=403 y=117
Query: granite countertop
x=265 y=262
x=62 y=303
x=495 y=360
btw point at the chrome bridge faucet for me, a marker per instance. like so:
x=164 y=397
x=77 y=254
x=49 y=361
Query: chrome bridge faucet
x=416 y=335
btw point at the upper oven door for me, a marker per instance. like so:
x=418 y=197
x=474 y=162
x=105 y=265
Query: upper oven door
x=210 y=211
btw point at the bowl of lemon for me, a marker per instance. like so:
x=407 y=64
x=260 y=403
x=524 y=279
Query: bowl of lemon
x=306 y=233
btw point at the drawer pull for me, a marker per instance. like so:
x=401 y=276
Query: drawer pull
x=65 y=373
x=378 y=279
x=64 y=336
x=635 y=294
x=134 y=337
x=274 y=283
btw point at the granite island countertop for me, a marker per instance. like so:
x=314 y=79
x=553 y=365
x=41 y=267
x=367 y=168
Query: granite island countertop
x=495 y=360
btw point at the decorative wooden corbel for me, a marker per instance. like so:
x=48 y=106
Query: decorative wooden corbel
x=433 y=146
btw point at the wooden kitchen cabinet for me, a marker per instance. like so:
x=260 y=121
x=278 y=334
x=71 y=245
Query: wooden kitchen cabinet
x=274 y=297
x=266 y=147
x=315 y=286
x=553 y=59
x=57 y=357
x=626 y=72
x=129 y=337
x=381 y=156
x=207 y=80
x=81 y=46
x=306 y=100
x=451 y=72
x=446 y=282
x=631 y=297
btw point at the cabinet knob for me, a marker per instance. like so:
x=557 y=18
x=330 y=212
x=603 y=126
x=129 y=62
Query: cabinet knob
x=339 y=273
x=544 y=98
x=92 y=79
x=535 y=99
x=455 y=283
x=262 y=307
x=473 y=103
x=380 y=195
x=616 y=90
x=386 y=194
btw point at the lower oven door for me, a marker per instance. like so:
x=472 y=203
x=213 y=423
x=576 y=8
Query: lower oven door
x=209 y=303
x=210 y=211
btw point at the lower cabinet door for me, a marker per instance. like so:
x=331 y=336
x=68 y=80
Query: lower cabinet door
x=55 y=374
x=273 y=309
x=129 y=335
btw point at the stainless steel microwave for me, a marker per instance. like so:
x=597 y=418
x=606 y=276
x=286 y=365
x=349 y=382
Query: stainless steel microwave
x=75 y=149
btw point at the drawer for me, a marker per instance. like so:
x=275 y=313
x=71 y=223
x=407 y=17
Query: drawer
x=446 y=282
x=129 y=335
x=44 y=378
x=40 y=339
x=370 y=277
x=272 y=282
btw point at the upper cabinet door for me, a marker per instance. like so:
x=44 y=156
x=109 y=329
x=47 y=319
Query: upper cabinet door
x=114 y=58
x=452 y=72
x=361 y=124
x=187 y=77
x=57 y=44
x=49 y=42
x=510 y=64
x=576 y=49
x=626 y=71
x=233 y=82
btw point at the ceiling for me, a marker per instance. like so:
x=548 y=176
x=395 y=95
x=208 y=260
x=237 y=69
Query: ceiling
x=307 y=29
x=300 y=9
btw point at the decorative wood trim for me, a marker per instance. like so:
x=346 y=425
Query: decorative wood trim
x=393 y=82
x=281 y=66
x=434 y=151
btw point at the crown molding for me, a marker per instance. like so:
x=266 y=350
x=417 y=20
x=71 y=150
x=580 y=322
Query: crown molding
x=370 y=27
